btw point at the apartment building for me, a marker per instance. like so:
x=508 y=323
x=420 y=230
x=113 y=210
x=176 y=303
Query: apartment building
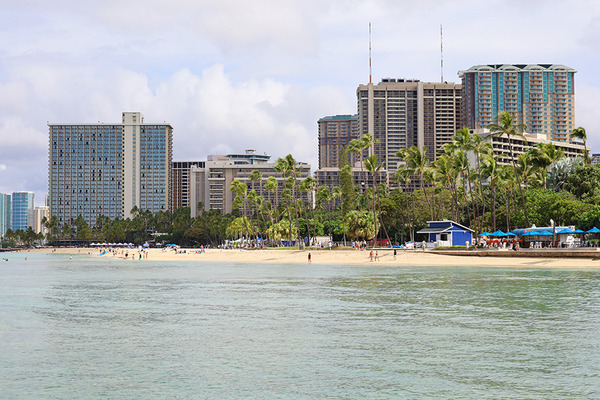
x=403 y=113
x=335 y=133
x=107 y=169
x=541 y=96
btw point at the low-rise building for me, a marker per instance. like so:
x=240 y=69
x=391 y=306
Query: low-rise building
x=210 y=183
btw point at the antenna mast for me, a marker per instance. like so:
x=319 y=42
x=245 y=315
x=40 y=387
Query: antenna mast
x=442 y=53
x=370 y=68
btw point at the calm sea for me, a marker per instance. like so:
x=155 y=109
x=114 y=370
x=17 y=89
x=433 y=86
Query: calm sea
x=89 y=329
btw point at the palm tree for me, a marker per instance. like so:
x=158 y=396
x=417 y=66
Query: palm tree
x=446 y=175
x=463 y=142
x=256 y=176
x=416 y=160
x=359 y=146
x=373 y=167
x=271 y=185
x=579 y=133
x=544 y=155
x=480 y=148
x=403 y=175
x=491 y=171
x=507 y=127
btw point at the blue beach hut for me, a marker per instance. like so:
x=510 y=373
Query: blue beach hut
x=447 y=233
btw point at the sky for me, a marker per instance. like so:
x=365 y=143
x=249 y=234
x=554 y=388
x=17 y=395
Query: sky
x=231 y=75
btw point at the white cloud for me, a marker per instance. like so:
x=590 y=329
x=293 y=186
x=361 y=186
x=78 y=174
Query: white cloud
x=232 y=75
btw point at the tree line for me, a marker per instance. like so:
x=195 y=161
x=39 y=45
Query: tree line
x=468 y=183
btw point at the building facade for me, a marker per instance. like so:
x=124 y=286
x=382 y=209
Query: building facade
x=39 y=213
x=22 y=204
x=210 y=184
x=541 y=96
x=335 y=132
x=107 y=169
x=179 y=189
x=403 y=113
x=520 y=145
x=5 y=213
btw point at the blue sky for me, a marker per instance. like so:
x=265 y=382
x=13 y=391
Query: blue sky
x=231 y=75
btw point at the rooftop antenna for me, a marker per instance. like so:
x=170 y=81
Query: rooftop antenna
x=370 y=68
x=442 y=53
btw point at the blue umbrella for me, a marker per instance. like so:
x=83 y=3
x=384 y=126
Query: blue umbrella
x=530 y=233
x=578 y=231
x=564 y=231
x=593 y=230
x=498 y=233
x=509 y=234
x=484 y=234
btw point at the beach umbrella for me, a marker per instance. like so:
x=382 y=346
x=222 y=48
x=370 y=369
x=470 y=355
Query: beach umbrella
x=484 y=234
x=564 y=231
x=498 y=233
x=529 y=233
x=578 y=231
x=593 y=230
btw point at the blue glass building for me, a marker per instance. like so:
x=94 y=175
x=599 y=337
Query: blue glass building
x=5 y=213
x=22 y=204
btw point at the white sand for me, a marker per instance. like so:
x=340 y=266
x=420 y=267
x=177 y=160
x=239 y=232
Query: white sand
x=341 y=257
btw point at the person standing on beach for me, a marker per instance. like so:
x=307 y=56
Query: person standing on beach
x=394 y=254
x=309 y=260
x=371 y=255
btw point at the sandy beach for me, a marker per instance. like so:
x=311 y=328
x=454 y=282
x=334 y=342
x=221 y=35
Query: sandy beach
x=338 y=256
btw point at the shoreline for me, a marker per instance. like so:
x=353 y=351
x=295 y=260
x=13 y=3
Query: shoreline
x=350 y=257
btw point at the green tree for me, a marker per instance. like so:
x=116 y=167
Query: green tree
x=506 y=127
x=579 y=133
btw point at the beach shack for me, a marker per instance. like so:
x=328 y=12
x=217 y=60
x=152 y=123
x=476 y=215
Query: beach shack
x=447 y=233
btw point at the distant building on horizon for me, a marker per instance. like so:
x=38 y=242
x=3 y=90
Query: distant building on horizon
x=39 y=213
x=335 y=132
x=108 y=169
x=22 y=204
x=5 y=213
x=541 y=96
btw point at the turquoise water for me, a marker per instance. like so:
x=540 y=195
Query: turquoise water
x=88 y=329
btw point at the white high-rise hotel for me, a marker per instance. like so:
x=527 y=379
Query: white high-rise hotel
x=107 y=169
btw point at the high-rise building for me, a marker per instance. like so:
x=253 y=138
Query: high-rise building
x=22 y=204
x=403 y=113
x=179 y=191
x=210 y=183
x=541 y=96
x=335 y=132
x=5 y=213
x=38 y=216
x=108 y=169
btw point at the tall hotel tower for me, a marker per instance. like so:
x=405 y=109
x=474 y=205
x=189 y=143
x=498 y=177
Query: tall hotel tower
x=107 y=169
x=404 y=113
x=541 y=96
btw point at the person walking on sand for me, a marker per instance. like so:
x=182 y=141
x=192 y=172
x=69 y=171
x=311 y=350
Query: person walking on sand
x=309 y=260
x=394 y=254
x=377 y=256
x=371 y=255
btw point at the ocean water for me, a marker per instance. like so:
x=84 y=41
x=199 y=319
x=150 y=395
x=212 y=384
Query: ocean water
x=90 y=329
